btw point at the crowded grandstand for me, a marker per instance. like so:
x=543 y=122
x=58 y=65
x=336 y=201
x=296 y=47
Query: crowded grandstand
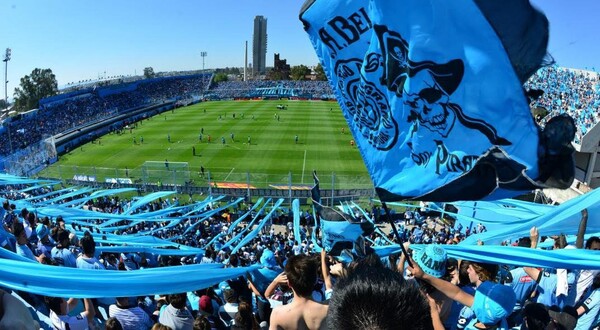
x=75 y=227
x=433 y=240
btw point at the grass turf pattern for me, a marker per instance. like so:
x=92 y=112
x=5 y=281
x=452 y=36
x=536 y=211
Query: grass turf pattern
x=323 y=144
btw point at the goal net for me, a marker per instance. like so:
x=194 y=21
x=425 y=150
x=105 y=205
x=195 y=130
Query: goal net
x=166 y=172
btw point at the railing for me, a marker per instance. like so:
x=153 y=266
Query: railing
x=292 y=185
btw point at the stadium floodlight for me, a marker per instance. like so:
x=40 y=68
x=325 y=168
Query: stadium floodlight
x=203 y=55
x=5 y=60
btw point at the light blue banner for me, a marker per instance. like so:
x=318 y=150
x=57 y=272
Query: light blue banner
x=296 y=212
x=561 y=219
x=84 y=283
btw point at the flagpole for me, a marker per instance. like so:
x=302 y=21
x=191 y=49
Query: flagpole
x=398 y=238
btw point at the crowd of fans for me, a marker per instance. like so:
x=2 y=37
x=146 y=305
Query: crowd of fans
x=315 y=290
x=95 y=105
x=574 y=92
x=569 y=91
x=311 y=289
x=252 y=88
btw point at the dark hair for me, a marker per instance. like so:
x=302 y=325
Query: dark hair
x=24 y=213
x=177 y=300
x=537 y=317
x=113 y=324
x=463 y=275
x=525 y=242
x=53 y=304
x=561 y=241
x=596 y=282
x=301 y=271
x=451 y=265
x=243 y=317
x=31 y=218
x=591 y=241
x=233 y=260
x=202 y=323
x=377 y=298
x=62 y=236
x=160 y=303
x=87 y=244
x=18 y=229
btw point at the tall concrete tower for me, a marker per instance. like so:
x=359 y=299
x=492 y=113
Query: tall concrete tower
x=246 y=61
x=259 y=45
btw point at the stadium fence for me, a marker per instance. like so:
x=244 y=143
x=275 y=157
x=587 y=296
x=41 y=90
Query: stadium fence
x=334 y=187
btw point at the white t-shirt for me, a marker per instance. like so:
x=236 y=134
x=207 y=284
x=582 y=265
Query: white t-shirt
x=77 y=322
x=584 y=280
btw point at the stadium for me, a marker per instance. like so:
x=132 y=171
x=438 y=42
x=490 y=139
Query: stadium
x=183 y=200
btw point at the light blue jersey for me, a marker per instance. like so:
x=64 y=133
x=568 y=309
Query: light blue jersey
x=591 y=317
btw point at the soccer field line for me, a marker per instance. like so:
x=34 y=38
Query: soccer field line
x=229 y=174
x=303 y=166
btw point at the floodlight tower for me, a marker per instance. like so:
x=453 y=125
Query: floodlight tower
x=5 y=60
x=203 y=54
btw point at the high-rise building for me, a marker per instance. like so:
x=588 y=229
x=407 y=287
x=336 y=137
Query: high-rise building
x=259 y=45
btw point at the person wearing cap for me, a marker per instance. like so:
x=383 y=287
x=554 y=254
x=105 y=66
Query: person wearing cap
x=44 y=245
x=432 y=260
x=492 y=302
x=205 y=309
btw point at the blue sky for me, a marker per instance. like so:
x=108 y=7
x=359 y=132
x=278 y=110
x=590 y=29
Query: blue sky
x=81 y=39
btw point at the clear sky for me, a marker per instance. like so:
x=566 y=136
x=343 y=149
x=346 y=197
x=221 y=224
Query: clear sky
x=82 y=39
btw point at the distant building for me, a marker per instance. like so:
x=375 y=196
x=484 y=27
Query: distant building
x=259 y=45
x=281 y=70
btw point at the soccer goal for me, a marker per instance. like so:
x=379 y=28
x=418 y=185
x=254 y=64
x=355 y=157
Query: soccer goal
x=166 y=172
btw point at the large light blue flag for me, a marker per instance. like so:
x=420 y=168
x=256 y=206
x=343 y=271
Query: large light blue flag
x=432 y=92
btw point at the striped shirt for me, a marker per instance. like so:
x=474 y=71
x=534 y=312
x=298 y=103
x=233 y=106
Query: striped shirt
x=132 y=318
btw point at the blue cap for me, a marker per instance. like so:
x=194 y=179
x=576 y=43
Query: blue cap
x=41 y=230
x=267 y=259
x=432 y=260
x=493 y=302
x=224 y=285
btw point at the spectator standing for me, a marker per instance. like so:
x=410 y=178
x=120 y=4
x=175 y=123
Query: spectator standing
x=130 y=317
x=176 y=315
x=301 y=274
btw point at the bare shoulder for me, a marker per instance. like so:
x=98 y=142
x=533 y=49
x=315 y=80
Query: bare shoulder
x=315 y=315
x=318 y=306
x=277 y=317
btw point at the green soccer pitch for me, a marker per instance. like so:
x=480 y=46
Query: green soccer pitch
x=323 y=144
